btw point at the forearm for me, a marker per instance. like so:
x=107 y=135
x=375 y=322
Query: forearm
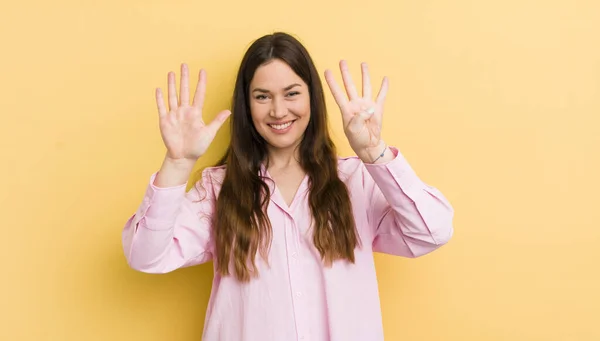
x=413 y=215
x=171 y=229
x=148 y=235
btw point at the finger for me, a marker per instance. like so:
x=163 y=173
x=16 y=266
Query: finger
x=366 y=80
x=336 y=91
x=200 y=90
x=350 y=88
x=218 y=121
x=172 y=92
x=160 y=103
x=184 y=87
x=382 y=91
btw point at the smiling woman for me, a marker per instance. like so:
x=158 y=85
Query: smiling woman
x=290 y=226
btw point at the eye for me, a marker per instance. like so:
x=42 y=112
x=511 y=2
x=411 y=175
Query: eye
x=293 y=93
x=261 y=97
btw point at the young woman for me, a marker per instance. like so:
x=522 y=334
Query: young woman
x=290 y=227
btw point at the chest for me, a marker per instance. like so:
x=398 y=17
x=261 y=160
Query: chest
x=287 y=183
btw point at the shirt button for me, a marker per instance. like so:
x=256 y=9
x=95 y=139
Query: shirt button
x=298 y=294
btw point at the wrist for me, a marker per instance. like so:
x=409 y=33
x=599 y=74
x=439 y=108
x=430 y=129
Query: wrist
x=179 y=164
x=374 y=154
x=174 y=172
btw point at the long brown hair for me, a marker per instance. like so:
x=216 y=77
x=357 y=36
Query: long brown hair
x=241 y=226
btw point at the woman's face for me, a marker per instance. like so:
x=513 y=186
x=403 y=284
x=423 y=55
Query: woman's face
x=279 y=104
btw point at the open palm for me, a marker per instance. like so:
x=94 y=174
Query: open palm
x=361 y=115
x=182 y=128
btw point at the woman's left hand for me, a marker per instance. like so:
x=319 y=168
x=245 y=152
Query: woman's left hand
x=362 y=116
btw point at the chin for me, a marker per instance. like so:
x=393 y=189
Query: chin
x=280 y=143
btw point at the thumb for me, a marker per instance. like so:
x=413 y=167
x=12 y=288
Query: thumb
x=218 y=121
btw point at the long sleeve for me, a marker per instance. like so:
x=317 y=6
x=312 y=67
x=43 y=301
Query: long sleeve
x=171 y=228
x=408 y=217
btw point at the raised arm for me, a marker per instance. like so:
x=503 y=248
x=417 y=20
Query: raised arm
x=407 y=217
x=171 y=228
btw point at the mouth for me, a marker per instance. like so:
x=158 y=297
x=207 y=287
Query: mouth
x=281 y=127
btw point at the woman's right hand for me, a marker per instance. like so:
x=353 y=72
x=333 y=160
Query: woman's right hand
x=182 y=128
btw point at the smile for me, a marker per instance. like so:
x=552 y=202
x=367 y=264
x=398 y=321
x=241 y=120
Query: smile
x=281 y=126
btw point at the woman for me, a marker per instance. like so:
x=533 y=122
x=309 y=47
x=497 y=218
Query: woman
x=290 y=227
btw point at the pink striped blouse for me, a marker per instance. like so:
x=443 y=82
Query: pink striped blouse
x=296 y=297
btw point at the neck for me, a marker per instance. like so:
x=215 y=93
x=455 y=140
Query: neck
x=284 y=158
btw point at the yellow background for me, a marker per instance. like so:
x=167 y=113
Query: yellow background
x=496 y=103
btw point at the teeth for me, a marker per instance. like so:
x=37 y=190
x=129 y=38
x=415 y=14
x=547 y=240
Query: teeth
x=281 y=126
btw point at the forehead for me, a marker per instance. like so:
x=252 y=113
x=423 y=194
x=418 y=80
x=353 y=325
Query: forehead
x=274 y=75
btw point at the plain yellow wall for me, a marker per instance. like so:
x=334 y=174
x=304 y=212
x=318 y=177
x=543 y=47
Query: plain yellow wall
x=496 y=103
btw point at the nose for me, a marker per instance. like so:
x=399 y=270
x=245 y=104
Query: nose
x=278 y=109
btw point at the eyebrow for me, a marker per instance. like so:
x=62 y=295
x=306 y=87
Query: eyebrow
x=284 y=89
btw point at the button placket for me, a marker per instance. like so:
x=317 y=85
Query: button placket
x=300 y=309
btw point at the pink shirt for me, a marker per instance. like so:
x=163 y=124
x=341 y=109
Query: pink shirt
x=296 y=298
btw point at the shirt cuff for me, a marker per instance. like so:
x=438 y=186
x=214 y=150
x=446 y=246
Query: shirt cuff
x=398 y=167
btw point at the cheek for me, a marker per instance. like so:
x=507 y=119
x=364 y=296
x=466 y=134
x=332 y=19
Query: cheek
x=257 y=112
x=301 y=108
